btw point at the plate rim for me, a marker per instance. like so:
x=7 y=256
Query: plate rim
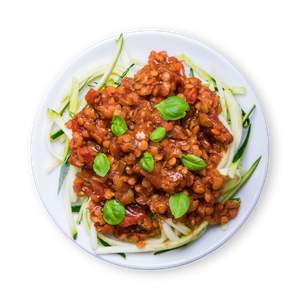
x=193 y=39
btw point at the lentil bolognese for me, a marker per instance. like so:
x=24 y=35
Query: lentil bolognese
x=151 y=153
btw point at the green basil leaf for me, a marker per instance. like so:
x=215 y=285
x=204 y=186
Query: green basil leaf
x=172 y=108
x=113 y=212
x=179 y=204
x=118 y=125
x=147 y=162
x=158 y=134
x=101 y=164
x=193 y=162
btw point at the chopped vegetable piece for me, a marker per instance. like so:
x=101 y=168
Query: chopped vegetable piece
x=76 y=207
x=55 y=135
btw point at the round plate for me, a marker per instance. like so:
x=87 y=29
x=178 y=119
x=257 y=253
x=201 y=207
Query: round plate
x=138 y=45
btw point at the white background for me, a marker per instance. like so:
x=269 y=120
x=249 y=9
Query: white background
x=261 y=260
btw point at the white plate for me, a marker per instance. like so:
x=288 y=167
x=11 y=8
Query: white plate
x=138 y=45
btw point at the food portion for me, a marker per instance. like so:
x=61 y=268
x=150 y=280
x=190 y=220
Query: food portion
x=155 y=155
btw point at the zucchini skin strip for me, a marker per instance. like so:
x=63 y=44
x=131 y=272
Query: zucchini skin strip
x=107 y=75
x=245 y=177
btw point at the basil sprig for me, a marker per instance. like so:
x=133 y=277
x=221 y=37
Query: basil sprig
x=147 y=162
x=101 y=164
x=193 y=162
x=172 y=108
x=179 y=204
x=158 y=134
x=118 y=125
x=113 y=212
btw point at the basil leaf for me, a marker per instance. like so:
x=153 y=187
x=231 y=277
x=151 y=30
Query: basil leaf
x=118 y=125
x=158 y=134
x=172 y=108
x=147 y=162
x=193 y=162
x=101 y=164
x=179 y=204
x=113 y=212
